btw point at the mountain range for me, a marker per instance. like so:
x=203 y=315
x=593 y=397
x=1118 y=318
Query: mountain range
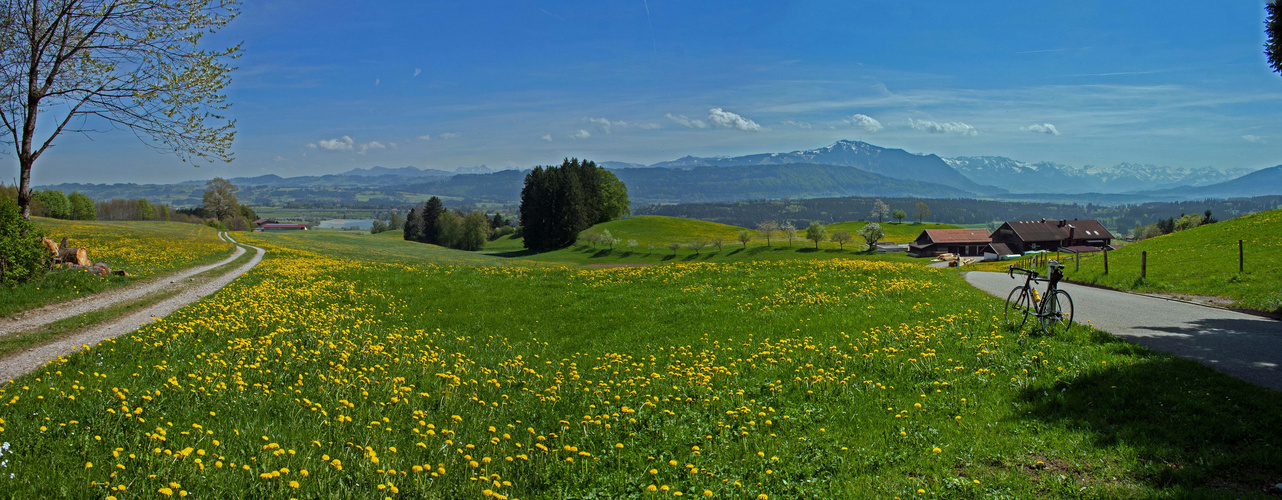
x=845 y=168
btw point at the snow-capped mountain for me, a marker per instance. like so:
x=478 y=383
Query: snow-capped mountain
x=893 y=163
x=1048 y=177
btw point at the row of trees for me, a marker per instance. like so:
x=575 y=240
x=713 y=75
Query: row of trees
x=881 y=210
x=57 y=205
x=1172 y=224
x=559 y=202
x=432 y=223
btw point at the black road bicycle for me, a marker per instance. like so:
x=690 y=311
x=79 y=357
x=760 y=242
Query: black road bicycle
x=1054 y=309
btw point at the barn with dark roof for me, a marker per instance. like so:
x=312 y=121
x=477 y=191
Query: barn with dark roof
x=964 y=242
x=1017 y=237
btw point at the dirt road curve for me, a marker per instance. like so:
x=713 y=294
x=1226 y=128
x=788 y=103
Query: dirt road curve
x=25 y=361
x=36 y=318
x=1244 y=346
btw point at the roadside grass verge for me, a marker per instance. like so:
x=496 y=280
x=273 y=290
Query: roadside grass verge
x=144 y=249
x=1201 y=261
x=337 y=368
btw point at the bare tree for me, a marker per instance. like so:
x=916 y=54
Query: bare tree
x=841 y=237
x=717 y=242
x=745 y=237
x=127 y=64
x=697 y=245
x=674 y=246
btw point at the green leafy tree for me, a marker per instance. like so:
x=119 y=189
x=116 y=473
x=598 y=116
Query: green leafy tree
x=880 y=209
x=449 y=229
x=378 y=227
x=413 y=225
x=816 y=233
x=841 y=237
x=22 y=257
x=145 y=210
x=474 y=233
x=82 y=207
x=397 y=221
x=1273 y=29
x=53 y=204
x=558 y=202
x=899 y=215
x=921 y=211
x=872 y=232
x=1188 y=221
x=137 y=65
x=745 y=237
x=220 y=199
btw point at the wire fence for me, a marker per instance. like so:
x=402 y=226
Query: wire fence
x=1171 y=262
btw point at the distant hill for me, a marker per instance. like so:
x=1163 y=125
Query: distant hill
x=758 y=182
x=892 y=163
x=401 y=172
x=1266 y=182
x=1047 y=177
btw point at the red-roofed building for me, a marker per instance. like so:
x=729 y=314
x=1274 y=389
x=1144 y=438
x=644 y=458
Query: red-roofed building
x=964 y=242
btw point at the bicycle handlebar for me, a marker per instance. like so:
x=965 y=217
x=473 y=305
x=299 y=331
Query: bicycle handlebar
x=1010 y=270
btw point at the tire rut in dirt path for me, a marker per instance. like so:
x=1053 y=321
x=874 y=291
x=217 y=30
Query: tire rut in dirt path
x=20 y=363
x=35 y=318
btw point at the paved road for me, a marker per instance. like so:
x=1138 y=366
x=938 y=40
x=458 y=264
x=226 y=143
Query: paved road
x=1244 y=346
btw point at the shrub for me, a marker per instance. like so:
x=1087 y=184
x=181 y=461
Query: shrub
x=22 y=256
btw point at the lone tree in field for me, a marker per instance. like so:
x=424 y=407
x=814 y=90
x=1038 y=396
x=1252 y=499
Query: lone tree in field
x=83 y=65
x=220 y=199
x=899 y=215
x=790 y=231
x=768 y=229
x=816 y=233
x=1273 y=28
x=745 y=237
x=921 y=212
x=872 y=232
x=674 y=246
x=880 y=210
x=841 y=237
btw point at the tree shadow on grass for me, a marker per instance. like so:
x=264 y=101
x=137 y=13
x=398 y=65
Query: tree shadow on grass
x=807 y=250
x=669 y=257
x=1192 y=428
x=735 y=251
x=604 y=252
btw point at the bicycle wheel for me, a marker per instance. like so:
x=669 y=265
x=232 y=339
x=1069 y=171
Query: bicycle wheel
x=1057 y=312
x=1018 y=304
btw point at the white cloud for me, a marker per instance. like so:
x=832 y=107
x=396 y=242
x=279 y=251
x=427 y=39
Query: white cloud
x=343 y=143
x=370 y=145
x=449 y=135
x=797 y=124
x=312 y=146
x=1041 y=128
x=391 y=145
x=607 y=125
x=731 y=120
x=1252 y=138
x=581 y=134
x=418 y=71
x=376 y=81
x=280 y=158
x=928 y=126
x=868 y=123
x=425 y=137
x=547 y=137
x=685 y=121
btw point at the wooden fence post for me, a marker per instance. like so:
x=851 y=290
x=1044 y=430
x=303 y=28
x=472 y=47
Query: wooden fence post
x=1239 y=256
x=1077 y=261
x=1105 y=261
x=1143 y=264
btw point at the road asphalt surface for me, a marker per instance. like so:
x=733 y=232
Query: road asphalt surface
x=1242 y=345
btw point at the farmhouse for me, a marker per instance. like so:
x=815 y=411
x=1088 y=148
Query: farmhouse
x=1017 y=237
x=964 y=242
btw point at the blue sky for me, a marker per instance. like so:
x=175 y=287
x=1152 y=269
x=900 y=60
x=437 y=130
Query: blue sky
x=325 y=86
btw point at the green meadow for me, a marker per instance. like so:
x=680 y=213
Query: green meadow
x=364 y=366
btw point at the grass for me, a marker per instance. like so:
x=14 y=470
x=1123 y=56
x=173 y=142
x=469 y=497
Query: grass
x=19 y=341
x=660 y=231
x=363 y=366
x=144 y=249
x=1202 y=261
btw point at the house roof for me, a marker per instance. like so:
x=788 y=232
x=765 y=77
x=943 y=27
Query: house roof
x=999 y=249
x=276 y=225
x=1058 y=230
x=976 y=236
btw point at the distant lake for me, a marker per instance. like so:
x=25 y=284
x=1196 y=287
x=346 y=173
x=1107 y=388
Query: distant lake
x=342 y=223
